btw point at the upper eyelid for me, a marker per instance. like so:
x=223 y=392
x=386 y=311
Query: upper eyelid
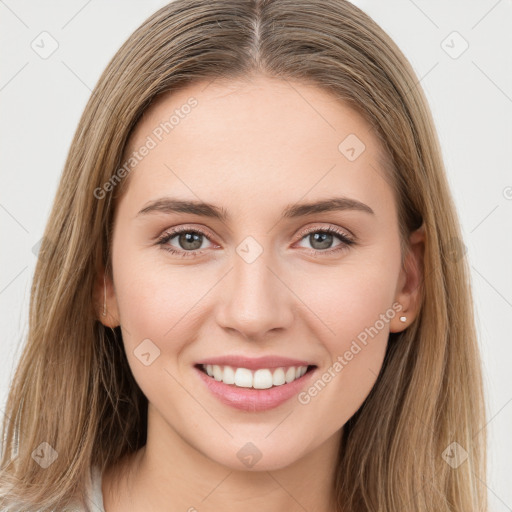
x=344 y=231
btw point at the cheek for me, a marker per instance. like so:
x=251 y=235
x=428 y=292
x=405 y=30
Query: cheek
x=355 y=311
x=348 y=299
x=156 y=308
x=160 y=302
x=352 y=306
x=152 y=294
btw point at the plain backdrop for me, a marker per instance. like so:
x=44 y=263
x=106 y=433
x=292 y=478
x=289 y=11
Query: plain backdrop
x=462 y=54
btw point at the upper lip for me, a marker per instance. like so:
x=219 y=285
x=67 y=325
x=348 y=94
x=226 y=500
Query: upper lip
x=255 y=363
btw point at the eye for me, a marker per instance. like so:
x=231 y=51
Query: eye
x=189 y=241
x=321 y=239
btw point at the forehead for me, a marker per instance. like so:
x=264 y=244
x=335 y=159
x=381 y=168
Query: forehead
x=225 y=141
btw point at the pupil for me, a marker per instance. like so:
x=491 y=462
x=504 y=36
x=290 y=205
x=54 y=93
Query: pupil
x=190 y=238
x=325 y=240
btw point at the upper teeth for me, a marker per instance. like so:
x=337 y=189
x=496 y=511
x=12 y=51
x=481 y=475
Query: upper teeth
x=259 y=379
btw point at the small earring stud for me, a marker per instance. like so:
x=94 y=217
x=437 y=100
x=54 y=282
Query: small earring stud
x=403 y=319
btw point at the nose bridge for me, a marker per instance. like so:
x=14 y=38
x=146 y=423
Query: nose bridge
x=256 y=300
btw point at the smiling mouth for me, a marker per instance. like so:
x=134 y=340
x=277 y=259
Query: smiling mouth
x=263 y=378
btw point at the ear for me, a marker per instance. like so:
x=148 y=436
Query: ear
x=408 y=292
x=105 y=300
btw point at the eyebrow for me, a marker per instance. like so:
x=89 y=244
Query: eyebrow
x=172 y=205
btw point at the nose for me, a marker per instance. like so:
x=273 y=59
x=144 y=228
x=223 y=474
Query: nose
x=254 y=299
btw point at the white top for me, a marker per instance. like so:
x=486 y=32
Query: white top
x=94 y=495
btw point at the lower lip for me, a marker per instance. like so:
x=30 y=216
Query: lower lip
x=254 y=400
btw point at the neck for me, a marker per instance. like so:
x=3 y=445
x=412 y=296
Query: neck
x=169 y=472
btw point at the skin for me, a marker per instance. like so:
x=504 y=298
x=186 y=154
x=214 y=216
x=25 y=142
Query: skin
x=252 y=147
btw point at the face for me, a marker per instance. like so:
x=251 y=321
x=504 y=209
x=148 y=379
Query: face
x=258 y=273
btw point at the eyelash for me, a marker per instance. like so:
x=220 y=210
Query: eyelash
x=346 y=241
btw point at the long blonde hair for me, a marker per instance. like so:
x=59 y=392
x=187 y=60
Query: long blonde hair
x=73 y=388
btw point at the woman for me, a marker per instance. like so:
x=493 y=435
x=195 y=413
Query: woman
x=253 y=291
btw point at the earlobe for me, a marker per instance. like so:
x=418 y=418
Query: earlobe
x=105 y=301
x=409 y=288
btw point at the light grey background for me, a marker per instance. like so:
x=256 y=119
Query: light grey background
x=41 y=100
